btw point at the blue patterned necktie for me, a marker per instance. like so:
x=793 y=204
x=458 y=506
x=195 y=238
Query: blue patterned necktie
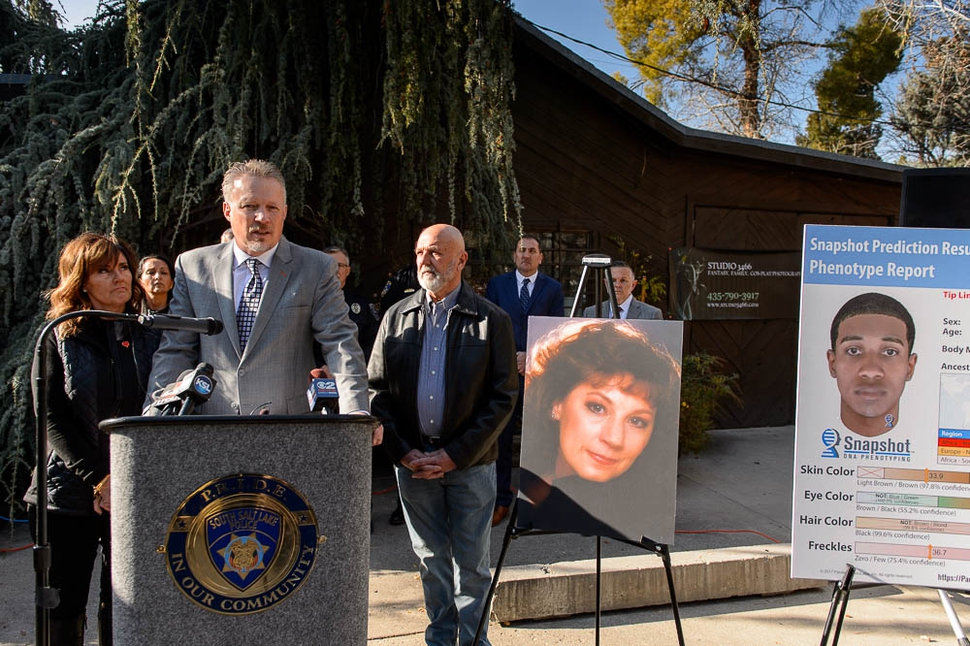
x=249 y=303
x=524 y=297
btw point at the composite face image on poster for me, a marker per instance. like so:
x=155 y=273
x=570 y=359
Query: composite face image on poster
x=599 y=432
x=882 y=428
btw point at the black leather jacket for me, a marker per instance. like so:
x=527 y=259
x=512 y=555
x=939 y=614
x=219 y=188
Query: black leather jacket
x=98 y=373
x=480 y=375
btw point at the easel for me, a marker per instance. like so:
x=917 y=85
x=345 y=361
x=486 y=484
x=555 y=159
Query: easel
x=840 y=599
x=600 y=265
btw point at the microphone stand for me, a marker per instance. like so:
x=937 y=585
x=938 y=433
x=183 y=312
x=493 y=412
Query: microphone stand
x=46 y=597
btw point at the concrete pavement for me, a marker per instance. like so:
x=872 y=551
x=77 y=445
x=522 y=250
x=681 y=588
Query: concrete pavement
x=734 y=525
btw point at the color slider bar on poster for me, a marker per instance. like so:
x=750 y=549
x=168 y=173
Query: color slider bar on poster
x=921 y=475
x=912 y=551
x=887 y=499
x=910 y=525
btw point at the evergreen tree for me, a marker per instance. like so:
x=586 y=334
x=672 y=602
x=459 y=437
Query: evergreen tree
x=861 y=57
x=129 y=122
x=932 y=111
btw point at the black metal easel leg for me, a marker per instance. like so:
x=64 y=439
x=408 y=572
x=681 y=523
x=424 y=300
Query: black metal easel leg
x=599 y=593
x=840 y=599
x=661 y=550
x=486 y=607
x=664 y=552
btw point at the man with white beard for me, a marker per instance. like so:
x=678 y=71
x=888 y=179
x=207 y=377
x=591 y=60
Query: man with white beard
x=443 y=380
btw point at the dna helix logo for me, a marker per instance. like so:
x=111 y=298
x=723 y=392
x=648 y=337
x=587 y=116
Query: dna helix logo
x=830 y=440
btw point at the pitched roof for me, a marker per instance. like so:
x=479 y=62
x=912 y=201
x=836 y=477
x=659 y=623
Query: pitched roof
x=636 y=106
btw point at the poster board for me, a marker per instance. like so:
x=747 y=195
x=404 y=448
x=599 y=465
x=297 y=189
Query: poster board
x=888 y=493
x=599 y=452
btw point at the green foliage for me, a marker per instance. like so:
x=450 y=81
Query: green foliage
x=862 y=56
x=428 y=42
x=653 y=290
x=130 y=121
x=703 y=391
x=933 y=110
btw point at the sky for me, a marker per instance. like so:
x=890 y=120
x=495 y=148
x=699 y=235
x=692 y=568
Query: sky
x=584 y=20
x=76 y=11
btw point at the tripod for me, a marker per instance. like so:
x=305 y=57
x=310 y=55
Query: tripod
x=595 y=266
x=600 y=265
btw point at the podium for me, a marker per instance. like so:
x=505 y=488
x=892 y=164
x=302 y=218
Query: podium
x=240 y=530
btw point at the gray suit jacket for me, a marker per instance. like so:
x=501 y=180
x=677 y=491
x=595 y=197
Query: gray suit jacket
x=638 y=310
x=302 y=304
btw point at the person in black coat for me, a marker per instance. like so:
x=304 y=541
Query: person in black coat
x=96 y=369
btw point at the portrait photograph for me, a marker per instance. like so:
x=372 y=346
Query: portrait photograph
x=601 y=409
x=871 y=356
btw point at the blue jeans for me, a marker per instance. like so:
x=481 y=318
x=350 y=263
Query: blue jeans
x=449 y=520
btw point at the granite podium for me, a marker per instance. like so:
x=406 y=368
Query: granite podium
x=240 y=530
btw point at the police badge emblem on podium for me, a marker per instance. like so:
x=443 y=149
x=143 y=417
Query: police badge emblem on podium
x=242 y=543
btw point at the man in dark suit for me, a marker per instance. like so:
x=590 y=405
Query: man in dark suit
x=521 y=293
x=276 y=299
x=624 y=283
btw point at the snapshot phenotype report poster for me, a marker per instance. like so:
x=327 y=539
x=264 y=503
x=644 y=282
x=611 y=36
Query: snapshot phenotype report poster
x=882 y=428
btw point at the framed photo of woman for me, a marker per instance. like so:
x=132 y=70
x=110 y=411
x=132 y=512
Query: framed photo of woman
x=599 y=433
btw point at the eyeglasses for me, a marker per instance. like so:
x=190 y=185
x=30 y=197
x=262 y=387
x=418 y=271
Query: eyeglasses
x=343 y=265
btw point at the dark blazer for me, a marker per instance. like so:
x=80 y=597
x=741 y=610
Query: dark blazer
x=481 y=383
x=547 y=300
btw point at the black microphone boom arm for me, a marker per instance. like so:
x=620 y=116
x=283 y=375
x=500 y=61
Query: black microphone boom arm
x=208 y=326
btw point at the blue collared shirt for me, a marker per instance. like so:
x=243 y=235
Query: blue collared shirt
x=241 y=273
x=431 y=371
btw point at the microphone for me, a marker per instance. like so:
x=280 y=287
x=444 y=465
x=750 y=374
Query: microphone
x=321 y=394
x=193 y=387
x=208 y=326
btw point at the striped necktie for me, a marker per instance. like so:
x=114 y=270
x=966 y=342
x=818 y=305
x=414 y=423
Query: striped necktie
x=524 y=297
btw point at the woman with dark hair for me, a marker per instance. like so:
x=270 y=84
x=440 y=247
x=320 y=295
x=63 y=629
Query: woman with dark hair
x=156 y=275
x=96 y=369
x=595 y=392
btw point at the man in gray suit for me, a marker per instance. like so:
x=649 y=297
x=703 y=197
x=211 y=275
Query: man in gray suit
x=275 y=299
x=624 y=283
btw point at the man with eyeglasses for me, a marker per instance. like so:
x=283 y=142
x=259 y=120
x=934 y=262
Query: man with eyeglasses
x=361 y=311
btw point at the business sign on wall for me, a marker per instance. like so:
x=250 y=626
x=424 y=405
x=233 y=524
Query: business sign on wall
x=882 y=427
x=711 y=285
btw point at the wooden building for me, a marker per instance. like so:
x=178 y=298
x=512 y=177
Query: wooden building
x=602 y=170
